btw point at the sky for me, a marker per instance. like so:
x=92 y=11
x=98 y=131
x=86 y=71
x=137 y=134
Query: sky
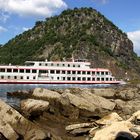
x=17 y=16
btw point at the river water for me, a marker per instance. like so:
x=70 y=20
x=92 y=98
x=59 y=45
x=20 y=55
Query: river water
x=4 y=88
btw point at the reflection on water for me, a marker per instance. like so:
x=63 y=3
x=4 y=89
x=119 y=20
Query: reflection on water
x=4 y=88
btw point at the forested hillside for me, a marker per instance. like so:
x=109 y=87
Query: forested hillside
x=83 y=32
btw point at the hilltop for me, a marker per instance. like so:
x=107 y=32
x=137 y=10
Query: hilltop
x=83 y=32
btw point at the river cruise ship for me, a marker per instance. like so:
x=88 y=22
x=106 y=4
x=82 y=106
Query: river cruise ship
x=49 y=72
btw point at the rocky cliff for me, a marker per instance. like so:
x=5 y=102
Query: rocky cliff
x=83 y=32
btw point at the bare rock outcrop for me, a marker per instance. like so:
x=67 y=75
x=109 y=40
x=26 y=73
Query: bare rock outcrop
x=13 y=124
x=45 y=94
x=110 y=132
x=105 y=113
x=33 y=107
x=79 y=100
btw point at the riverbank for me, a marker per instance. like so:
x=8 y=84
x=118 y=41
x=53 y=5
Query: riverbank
x=80 y=113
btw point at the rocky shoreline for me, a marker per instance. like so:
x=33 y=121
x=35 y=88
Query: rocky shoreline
x=73 y=114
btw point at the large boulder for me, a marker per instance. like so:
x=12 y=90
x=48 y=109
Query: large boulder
x=45 y=94
x=104 y=92
x=109 y=119
x=31 y=107
x=110 y=132
x=98 y=101
x=84 y=103
x=7 y=131
x=15 y=122
x=127 y=94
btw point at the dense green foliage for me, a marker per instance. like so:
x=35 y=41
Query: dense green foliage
x=83 y=32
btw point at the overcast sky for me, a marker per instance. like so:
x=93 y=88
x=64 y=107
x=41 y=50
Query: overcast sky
x=17 y=16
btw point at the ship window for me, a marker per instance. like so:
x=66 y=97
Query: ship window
x=93 y=73
x=57 y=64
x=73 y=72
x=78 y=65
x=106 y=72
x=46 y=64
x=98 y=79
x=29 y=64
x=2 y=77
x=58 y=71
x=68 y=65
x=73 y=65
x=51 y=64
x=78 y=72
x=110 y=79
x=43 y=71
x=21 y=70
x=40 y=64
x=15 y=70
x=27 y=77
x=9 y=70
x=79 y=78
x=93 y=79
x=68 y=72
x=28 y=71
x=2 y=70
x=102 y=79
x=33 y=71
x=33 y=77
x=84 y=78
x=63 y=72
x=52 y=71
x=63 y=78
x=21 y=77
x=73 y=78
x=63 y=65
x=106 y=79
x=102 y=73
x=83 y=72
x=98 y=72
x=68 y=78
x=58 y=78
x=88 y=72
x=15 y=77
x=8 y=77
x=88 y=78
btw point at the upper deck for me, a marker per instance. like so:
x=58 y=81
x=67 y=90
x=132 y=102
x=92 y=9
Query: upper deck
x=83 y=64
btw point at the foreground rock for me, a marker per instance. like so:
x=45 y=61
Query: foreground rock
x=83 y=102
x=13 y=125
x=109 y=119
x=74 y=113
x=118 y=129
x=33 y=107
x=110 y=132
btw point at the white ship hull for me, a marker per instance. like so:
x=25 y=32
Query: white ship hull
x=45 y=72
x=56 y=82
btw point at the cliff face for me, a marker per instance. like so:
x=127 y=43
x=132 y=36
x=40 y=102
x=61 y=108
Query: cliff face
x=85 y=33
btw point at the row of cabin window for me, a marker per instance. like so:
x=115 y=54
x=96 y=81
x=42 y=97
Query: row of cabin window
x=18 y=70
x=53 y=71
x=84 y=79
x=78 y=72
x=62 y=65
x=16 y=77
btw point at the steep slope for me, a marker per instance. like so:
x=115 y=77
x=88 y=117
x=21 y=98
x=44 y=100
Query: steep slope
x=83 y=32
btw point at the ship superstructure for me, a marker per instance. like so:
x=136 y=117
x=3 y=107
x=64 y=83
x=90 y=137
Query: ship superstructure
x=53 y=72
